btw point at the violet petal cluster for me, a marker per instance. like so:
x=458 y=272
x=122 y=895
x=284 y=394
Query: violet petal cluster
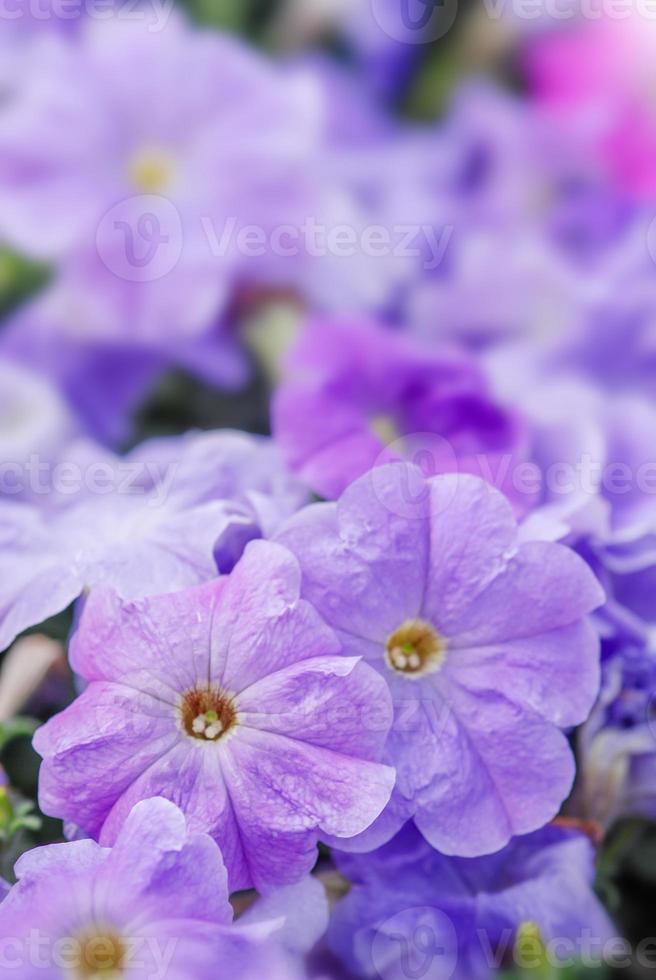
x=483 y=641
x=233 y=700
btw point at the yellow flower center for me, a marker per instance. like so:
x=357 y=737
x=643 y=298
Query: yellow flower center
x=207 y=714
x=151 y=171
x=102 y=956
x=415 y=649
x=384 y=427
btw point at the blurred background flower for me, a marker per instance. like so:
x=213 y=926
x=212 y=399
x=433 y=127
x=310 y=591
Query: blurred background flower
x=250 y=249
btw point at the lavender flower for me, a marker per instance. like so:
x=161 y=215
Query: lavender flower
x=356 y=388
x=233 y=700
x=482 y=640
x=144 y=524
x=137 y=207
x=411 y=908
x=155 y=905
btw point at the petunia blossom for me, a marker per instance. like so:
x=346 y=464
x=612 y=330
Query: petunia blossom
x=482 y=639
x=412 y=911
x=358 y=394
x=232 y=699
x=145 y=523
x=154 y=905
x=146 y=182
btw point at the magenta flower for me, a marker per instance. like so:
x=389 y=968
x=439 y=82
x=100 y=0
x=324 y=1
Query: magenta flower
x=155 y=905
x=233 y=700
x=482 y=640
x=600 y=73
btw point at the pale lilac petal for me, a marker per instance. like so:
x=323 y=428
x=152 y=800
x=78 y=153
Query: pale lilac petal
x=154 y=858
x=472 y=536
x=503 y=771
x=364 y=562
x=556 y=674
x=261 y=624
x=140 y=643
x=84 y=744
x=334 y=703
x=286 y=791
x=300 y=913
x=542 y=587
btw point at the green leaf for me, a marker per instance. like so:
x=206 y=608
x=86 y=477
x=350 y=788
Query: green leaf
x=19 y=727
x=19 y=278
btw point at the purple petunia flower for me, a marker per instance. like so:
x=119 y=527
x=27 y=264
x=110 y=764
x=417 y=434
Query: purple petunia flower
x=155 y=905
x=233 y=700
x=145 y=208
x=360 y=394
x=482 y=640
x=151 y=522
x=521 y=185
x=413 y=912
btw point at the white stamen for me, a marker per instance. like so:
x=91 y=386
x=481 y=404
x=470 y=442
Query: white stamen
x=214 y=730
x=198 y=725
x=414 y=661
x=399 y=658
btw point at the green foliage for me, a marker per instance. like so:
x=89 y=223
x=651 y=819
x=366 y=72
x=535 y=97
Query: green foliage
x=15 y=816
x=17 y=728
x=19 y=279
x=237 y=16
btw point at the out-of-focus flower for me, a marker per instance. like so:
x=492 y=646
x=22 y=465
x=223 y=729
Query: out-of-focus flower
x=520 y=184
x=233 y=700
x=34 y=422
x=164 y=176
x=105 y=378
x=143 y=524
x=411 y=908
x=605 y=67
x=617 y=745
x=156 y=904
x=614 y=342
x=593 y=455
x=379 y=218
x=482 y=640
x=359 y=395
